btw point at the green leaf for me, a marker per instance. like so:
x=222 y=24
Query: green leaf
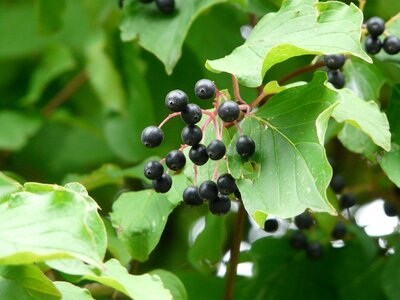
x=300 y=27
x=45 y=222
x=7 y=186
x=20 y=127
x=115 y=246
x=365 y=116
x=50 y=15
x=163 y=35
x=200 y=286
x=289 y=171
x=72 y=292
x=26 y=283
x=172 y=283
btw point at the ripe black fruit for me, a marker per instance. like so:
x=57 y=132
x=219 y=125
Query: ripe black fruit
x=219 y=206
x=191 y=114
x=226 y=184
x=304 y=220
x=391 y=45
x=298 y=240
x=390 y=209
x=152 y=136
x=229 y=111
x=339 y=231
x=175 y=160
x=204 y=89
x=245 y=146
x=375 y=26
x=347 y=200
x=337 y=183
x=191 y=135
x=198 y=154
x=334 y=61
x=271 y=225
x=314 y=250
x=373 y=45
x=336 y=78
x=216 y=150
x=153 y=169
x=176 y=100
x=191 y=196
x=208 y=190
x=166 y=6
x=162 y=184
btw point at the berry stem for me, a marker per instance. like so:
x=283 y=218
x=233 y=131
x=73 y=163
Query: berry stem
x=195 y=174
x=216 y=170
x=236 y=90
x=169 y=117
x=240 y=130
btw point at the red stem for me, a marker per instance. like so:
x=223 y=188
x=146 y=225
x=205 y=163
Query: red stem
x=169 y=117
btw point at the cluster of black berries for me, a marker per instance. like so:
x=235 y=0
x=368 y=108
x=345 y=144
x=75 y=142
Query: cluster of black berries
x=334 y=62
x=216 y=193
x=373 y=45
x=164 y=6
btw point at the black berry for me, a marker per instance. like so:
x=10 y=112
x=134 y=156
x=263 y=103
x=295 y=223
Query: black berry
x=216 y=150
x=191 y=114
x=375 y=26
x=166 y=6
x=337 y=183
x=208 y=190
x=229 y=111
x=191 y=135
x=204 y=89
x=245 y=146
x=219 y=206
x=390 y=209
x=373 y=45
x=334 y=61
x=347 y=200
x=304 y=220
x=226 y=184
x=339 y=231
x=175 y=160
x=314 y=250
x=298 y=240
x=271 y=225
x=153 y=169
x=152 y=136
x=336 y=78
x=198 y=154
x=176 y=100
x=162 y=184
x=191 y=196
x=391 y=45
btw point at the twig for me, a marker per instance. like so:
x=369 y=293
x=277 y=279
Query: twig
x=393 y=19
x=236 y=90
x=300 y=71
x=361 y=4
x=169 y=117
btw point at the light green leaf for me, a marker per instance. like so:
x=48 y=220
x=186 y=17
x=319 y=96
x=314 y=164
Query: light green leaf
x=45 y=222
x=26 y=283
x=300 y=27
x=289 y=171
x=72 y=292
x=7 y=186
x=115 y=246
x=20 y=127
x=50 y=15
x=163 y=35
x=172 y=283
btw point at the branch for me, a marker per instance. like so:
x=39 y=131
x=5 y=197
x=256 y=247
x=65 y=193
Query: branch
x=300 y=71
x=236 y=91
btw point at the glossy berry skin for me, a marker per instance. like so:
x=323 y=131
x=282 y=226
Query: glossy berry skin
x=304 y=220
x=389 y=209
x=153 y=169
x=271 y=225
x=298 y=240
x=198 y=154
x=391 y=45
x=219 y=206
x=334 y=61
x=191 y=135
x=226 y=184
x=347 y=200
x=216 y=150
x=373 y=45
x=339 y=231
x=245 y=146
x=314 y=250
x=162 y=184
x=191 y=114
x=191 y=196
x=208 y=190
x=229 y=111
x=175 y=160
x=375 y=26
x=166 y=6
x=336 y=78
x=204 y=89
x=176 y=100
x=152 y=136
x=337 y=183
